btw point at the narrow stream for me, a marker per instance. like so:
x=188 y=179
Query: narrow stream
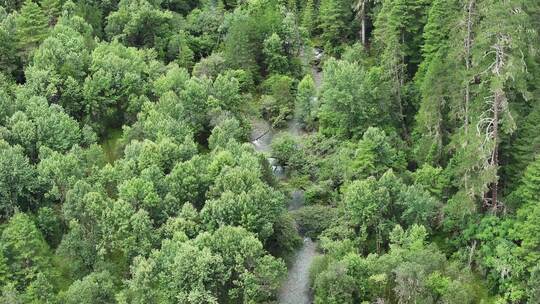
x=295 y=289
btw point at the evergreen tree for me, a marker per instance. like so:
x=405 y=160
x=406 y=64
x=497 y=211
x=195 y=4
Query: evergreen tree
x=239 y=49
x=501 y=45
x=306 y=101
x=52 y=9
x=32 y=28
x=334 y=16
x=276 y=61
x=522 y=151
x=309 y=16
x=8 y=43
x=529 y=190
x=25 y=249
x=361 y=7
x=433 y=80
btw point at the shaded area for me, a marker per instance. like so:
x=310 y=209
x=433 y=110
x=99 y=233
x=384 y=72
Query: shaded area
x=110 y=144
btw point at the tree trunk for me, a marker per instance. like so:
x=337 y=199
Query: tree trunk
x=401 y=83
x=363 y=29
x=499 y=95
x=498 y=100
x=468 y=46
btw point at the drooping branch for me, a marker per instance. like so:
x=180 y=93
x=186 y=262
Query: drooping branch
x=490 y=119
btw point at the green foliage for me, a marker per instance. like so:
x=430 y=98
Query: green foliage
x=204 y=29
x=41 y=290
x=334 y=15
x=239 y=51
x=432 y=179
x=228 y=265
x=8 y=43
x=32 y=28
x=523 y=150
x=411 y=270
x=275 y=59
x=60 y=66
x=96 y=287
x=18 y=180
x=227 y=130
x=118 y=76
x=285 y=239
x=528 y=191
x=52 y=9
x=209 y=66
x=38 y=125
x=278 y=102
x=285 y=148
x=141 y=24
x=25 y=251
x=373 y=207
x=247 y=30
x=334 y=286
x=48 y=222
x=313 y=220
x=306 y=106
x=423 y=132
x=366 y=205
x=244 y=202
x=309 y=17
x=371 y=156
x=351 y=99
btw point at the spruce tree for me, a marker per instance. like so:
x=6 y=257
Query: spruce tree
x=8 y=43
x=309 y=17
x=523 y=149
x=52 y=9
x=529 y=190
x=502 y=43
x=305 y=107
x=334 y=17
x=275 y=59
x=32 y=28
x=432 y=80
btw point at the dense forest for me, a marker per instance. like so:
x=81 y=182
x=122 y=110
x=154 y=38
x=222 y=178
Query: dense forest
x=269 y=151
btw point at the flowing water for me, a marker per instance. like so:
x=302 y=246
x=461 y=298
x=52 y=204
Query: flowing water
x=295 y=289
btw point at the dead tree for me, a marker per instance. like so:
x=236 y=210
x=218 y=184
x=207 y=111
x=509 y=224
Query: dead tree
x=489 y=124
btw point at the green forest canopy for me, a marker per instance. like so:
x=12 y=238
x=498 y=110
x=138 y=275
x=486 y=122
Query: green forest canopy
x=126 y=175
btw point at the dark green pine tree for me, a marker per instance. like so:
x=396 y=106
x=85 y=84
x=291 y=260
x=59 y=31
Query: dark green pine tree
x=8 y=44
x=52 y=9
x=32 y=27
x=334 y=21
x=398 y=39
x=521 y=151
x=529 y=190
x=433 y=79
x=502 y=53
x=309 y=17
